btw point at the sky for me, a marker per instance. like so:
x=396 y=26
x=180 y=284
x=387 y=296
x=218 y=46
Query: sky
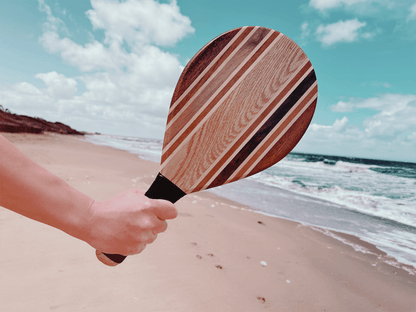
x=111 y=66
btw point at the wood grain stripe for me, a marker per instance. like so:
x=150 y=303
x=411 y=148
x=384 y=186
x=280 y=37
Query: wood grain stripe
x=276 y=136
x=200 y=80
x=216 y=99
x=212 y=87
x=190 y=105
x=244 y=154
x=253 y=127
x=203 y=58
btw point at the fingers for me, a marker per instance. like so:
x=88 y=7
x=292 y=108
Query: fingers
x=138 y=249
x=148 y=237
x=161 y=226
x=164 y=209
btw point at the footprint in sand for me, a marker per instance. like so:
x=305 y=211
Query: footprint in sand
x=261 y=299
x=209 y=255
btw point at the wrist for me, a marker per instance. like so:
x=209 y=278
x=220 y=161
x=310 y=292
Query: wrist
x=77 y=219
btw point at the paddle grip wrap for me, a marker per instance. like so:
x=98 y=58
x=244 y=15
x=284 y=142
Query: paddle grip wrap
x=161 y=188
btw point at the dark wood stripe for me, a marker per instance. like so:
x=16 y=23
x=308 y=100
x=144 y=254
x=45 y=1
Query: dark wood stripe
x=278 y=131
x=251 y=45
x=254 y=124
x=264 y=130
x=216 y=84
x=202 y=61
x=285 y=144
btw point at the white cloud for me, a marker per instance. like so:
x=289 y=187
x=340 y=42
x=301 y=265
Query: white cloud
x=401 y=13
x=139 y=22
x=387 y=103
x=58 y=85
x=53 y=23
x=396 y=115
x=342 y=107
x=25 y=98
x=380 y=9
x=412 y=14
x=92 y=56
x=341 y=31
x=338 y=126
x=388 y=134
x=323 y=5
x=305 y=32
x=126 y=79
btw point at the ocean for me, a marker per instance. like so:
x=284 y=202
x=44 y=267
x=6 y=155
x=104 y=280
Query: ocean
x=372 y=199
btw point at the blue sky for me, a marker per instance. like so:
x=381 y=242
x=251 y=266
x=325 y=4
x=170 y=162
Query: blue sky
x=111 y=66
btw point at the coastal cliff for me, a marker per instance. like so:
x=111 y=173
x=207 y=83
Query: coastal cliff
x=20 y=123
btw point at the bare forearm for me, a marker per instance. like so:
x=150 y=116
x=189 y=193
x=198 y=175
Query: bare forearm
x=34 y=192
x=123 y=224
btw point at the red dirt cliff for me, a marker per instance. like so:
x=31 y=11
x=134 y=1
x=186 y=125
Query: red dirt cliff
x=20 y=123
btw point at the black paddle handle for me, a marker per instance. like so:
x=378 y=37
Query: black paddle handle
x=161 y=188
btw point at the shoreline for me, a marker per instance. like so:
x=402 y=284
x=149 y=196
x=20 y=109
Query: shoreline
x=359 y=244
x=215 y=246
x=393 y=259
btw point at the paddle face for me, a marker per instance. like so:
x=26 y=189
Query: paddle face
x=241 y=104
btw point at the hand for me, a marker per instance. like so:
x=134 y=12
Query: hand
x=127 y=222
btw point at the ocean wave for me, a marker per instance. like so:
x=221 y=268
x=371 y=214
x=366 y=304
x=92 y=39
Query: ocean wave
x=326 y=165
x=401 y=211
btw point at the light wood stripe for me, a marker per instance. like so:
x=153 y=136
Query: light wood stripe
x=210 y=102
x=284 y=125
x=210 y=72
x=230 y=48
x=224 y=68
x=268 y=127
x=252 y=128
x=218 y=97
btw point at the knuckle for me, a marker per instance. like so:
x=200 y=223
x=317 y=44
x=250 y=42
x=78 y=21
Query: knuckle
x=140 y=248
x=152 y=238
x=164 y=226
x=146 y=222
x=134 y=250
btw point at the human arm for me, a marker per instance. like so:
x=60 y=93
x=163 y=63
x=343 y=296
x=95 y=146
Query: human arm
x=122 y=224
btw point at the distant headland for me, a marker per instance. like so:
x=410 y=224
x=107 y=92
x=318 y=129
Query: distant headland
x=14 y=123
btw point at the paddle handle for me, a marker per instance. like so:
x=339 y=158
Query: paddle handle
x=161 y=188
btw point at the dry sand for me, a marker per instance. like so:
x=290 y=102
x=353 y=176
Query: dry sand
x=209 y=259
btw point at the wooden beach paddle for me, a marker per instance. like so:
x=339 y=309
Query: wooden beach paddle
x=241 y=104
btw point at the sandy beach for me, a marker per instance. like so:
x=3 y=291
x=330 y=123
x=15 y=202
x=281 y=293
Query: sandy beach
x=209 y=259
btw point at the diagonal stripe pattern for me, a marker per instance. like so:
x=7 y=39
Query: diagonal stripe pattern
x=255 y=86
x=217 y=94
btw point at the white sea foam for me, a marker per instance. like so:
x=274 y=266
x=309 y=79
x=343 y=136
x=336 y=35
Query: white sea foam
x=356 y=247
x=352 y=186
x=386 y=259
x=149 y=149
